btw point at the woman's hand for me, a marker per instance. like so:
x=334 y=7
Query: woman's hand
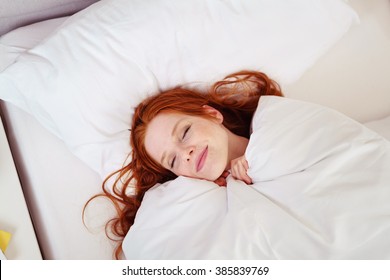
x=221 y=181
x=239 y=168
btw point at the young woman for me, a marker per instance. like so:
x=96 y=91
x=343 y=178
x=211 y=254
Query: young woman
x=186 y=132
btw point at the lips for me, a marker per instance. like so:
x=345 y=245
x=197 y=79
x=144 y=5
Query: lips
x=201 y=159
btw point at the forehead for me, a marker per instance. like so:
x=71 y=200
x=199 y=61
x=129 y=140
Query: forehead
x=166 y=118
x=163 y=124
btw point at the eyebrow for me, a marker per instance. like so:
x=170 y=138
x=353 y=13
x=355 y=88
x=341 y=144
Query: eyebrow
x=176 y=126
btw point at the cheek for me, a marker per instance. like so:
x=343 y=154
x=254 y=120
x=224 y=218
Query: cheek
x=213 y=130
x=220 y=138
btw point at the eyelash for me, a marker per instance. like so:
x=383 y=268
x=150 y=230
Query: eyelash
x=186 y=131
x=184 y=135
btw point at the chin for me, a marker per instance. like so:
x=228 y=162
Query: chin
x=216 y=174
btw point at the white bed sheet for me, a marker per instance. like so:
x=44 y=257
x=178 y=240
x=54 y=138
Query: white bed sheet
x=57 y=184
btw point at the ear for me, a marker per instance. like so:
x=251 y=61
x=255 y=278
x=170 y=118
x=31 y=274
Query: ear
x=213 y=112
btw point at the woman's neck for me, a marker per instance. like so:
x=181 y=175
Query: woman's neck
x=237 y=146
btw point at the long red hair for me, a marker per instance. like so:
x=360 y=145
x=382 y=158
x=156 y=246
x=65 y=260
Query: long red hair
x=236 y=97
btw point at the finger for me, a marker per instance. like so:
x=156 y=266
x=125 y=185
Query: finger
x=247 y=179
x=225 y=174
x=221 y=182
x=245 y=163
x=237 y=171
x=245 y=175
x=234 y=171
x=240 y=172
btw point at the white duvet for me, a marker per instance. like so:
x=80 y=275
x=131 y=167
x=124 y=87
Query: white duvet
x=321 y=191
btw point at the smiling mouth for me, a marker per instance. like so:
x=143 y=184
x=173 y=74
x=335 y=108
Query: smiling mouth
x=201 y=159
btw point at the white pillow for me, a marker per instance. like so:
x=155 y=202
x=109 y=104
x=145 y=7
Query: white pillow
x=16 y=13
x=83 y=81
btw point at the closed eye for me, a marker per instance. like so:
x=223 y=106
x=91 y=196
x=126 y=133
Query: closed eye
x=173 y=162
x=186 y=131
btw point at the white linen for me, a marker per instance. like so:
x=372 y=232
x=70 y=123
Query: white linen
x=321 y=191
x=16 y=13
x=82 y=82
x=381 y=126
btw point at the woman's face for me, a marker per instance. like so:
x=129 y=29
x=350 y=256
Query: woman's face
x=187 y=145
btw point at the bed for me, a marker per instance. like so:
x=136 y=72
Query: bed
x=62 y=161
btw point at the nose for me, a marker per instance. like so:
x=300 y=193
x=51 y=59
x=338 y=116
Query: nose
x=187 y=153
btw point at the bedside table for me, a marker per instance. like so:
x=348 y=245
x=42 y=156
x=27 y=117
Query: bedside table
x=14 y=214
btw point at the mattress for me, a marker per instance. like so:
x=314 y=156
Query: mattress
x=351 y=77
